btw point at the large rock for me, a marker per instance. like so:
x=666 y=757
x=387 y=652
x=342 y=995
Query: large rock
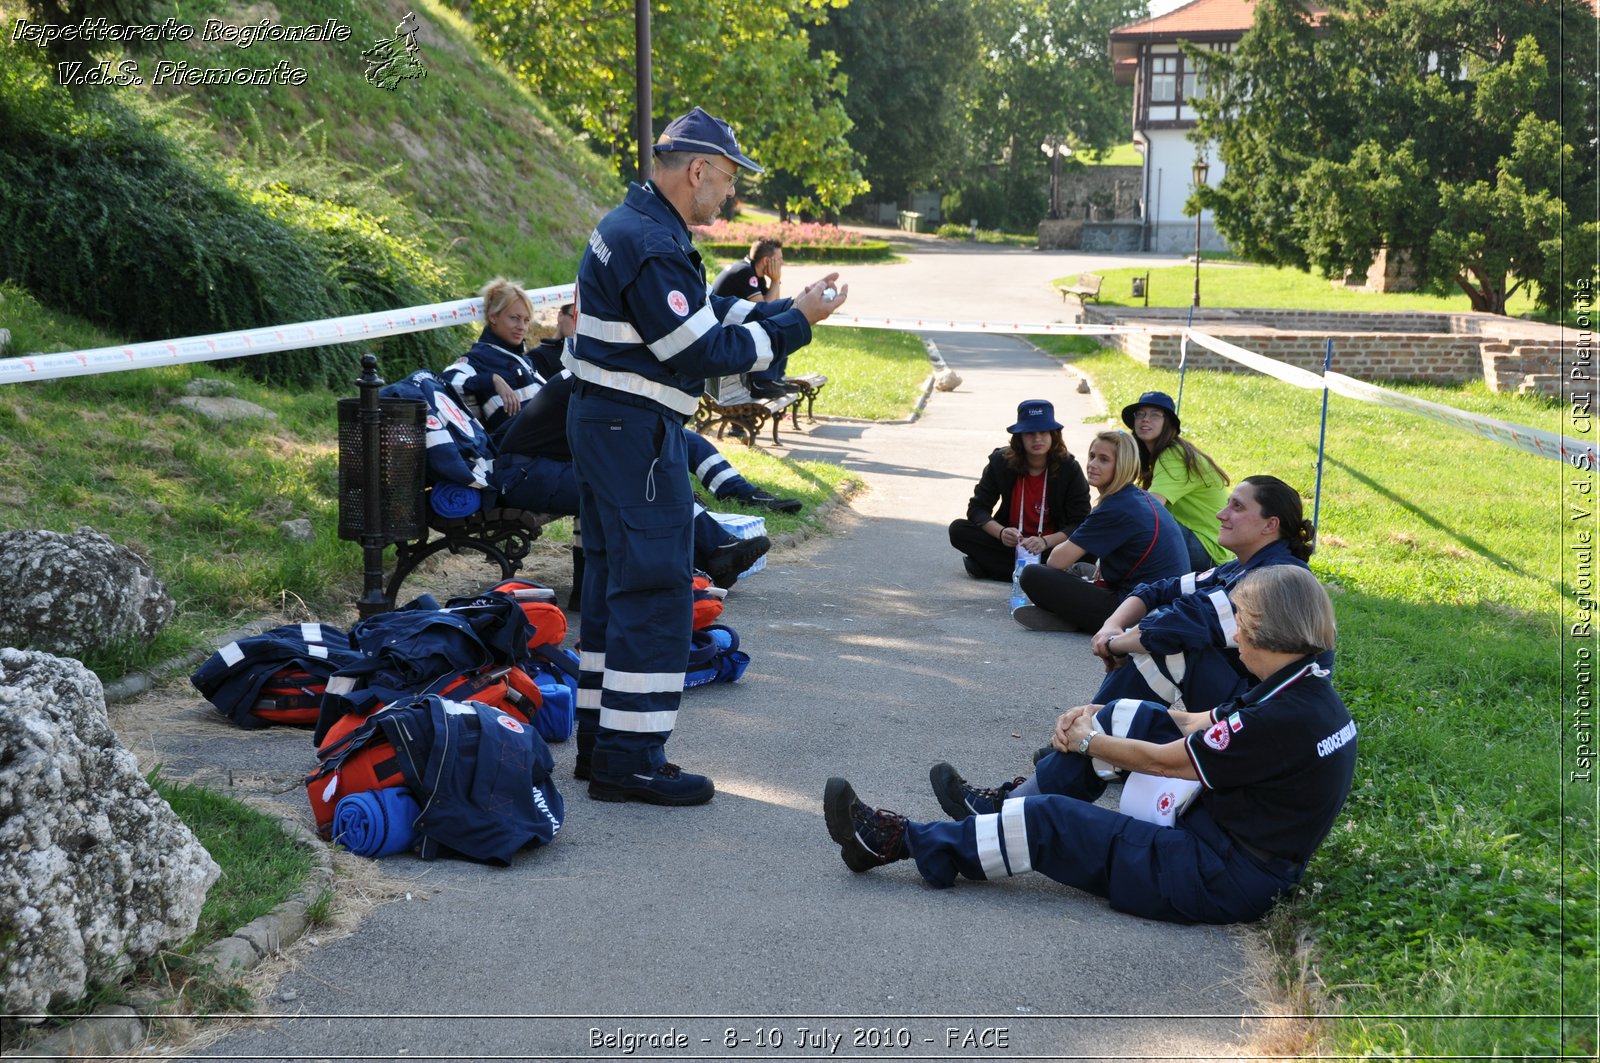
x=96 y=870
x=70 y=594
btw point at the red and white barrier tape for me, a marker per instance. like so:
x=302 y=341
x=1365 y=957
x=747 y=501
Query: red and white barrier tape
x=245 y=342
x=1578 y=453
x=358 y=327
x=1009 y=328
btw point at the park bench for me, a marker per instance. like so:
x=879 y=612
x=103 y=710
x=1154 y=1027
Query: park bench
x=809 y=386
x=1086 y=287
x=502 y=536
x=728 y=403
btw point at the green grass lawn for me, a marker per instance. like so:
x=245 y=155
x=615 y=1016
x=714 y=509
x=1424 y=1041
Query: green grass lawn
x=1121 y=155
x=202 y=501
x=1233 y=284
x=1443 y=890
x=872 y=373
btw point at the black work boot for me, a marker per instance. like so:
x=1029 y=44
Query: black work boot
x=867 y=837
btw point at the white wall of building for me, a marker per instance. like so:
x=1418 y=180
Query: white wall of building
x=1169 y=181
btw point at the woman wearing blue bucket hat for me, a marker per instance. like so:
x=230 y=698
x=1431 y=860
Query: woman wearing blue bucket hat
x=1039 y=489
x=1179 y=475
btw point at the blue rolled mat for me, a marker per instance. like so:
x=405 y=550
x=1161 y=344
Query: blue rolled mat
x=376 y=822
x=455 y=500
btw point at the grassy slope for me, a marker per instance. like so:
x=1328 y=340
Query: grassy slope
x=513 y=191
x=1439 y=892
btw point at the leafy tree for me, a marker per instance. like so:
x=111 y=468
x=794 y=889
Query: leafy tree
x=746 y=61
x=1443 y=129
x=910 y=64
x=1045 y=71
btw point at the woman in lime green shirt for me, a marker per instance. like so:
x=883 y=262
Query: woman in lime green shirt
x=1179 y=475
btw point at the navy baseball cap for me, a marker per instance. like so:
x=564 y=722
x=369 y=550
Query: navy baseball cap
x=699 y=132
x=1160 y=400
x=1035 y=415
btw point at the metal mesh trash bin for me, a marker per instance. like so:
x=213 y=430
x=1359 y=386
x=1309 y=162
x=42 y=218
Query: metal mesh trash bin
x=403 y=459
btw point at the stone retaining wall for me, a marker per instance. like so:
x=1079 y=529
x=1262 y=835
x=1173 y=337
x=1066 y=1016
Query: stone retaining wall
x=1438 y=348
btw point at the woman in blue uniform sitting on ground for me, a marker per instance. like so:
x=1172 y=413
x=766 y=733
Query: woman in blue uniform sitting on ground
x=1173 y=640
x=1274 y=768
x=1041 y=494
x=1134 y=537
x=496 y=376
x=1179 y=475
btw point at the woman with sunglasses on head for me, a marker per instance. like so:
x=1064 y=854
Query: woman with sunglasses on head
x=1134 y=537
x=1039 y=490
x=496 y=375
x=1179 y=475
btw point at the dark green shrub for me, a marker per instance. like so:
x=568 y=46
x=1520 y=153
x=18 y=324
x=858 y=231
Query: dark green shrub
x=119 y=216
x=979 y=198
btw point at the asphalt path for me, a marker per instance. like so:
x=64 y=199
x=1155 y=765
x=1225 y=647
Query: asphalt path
x=732 y=930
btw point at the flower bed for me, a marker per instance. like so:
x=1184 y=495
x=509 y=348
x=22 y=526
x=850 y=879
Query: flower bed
x=802 y=242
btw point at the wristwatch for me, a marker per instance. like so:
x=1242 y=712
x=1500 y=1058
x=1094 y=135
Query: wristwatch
x=1083 y=747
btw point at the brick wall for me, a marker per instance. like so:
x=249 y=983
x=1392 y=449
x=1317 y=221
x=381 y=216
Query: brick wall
x=1441 y=348
x=1433 y=357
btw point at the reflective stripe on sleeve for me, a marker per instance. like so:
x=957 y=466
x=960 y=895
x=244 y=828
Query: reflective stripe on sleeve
x=1186 y=583
x=685 y=335
x=739 y=313
x=1225 y=618
x=763 y=345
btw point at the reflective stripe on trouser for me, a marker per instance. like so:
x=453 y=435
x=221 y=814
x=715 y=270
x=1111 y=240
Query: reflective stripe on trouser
x=714 y=470
x=1071 y=775
x=1171 y=873
x=635 y=504
x=1205 y=679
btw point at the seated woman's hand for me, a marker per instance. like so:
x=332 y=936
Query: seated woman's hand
x=1035 y=544
x=1010 y=536
x=1071 y=726
x=508 y=398
x=1100 y=645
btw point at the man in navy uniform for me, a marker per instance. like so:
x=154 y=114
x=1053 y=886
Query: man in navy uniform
x=649 y=333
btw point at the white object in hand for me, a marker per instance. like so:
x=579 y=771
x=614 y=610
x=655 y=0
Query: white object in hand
x=829 y=294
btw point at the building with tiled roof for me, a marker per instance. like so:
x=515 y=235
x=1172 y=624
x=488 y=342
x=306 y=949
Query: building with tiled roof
x=1147 y=55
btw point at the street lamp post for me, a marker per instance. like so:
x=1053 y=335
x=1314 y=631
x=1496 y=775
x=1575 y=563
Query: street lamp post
x=1056 y=149
x=1201 y=168
x=642 y=105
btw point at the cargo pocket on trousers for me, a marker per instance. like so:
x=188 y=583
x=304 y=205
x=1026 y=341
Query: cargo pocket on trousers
x=659 y=540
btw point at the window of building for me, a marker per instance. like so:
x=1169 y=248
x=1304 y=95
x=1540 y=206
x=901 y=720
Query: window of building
x=1164 y=78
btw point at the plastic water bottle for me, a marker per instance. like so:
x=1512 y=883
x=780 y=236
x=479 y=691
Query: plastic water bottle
x=1024 y=559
